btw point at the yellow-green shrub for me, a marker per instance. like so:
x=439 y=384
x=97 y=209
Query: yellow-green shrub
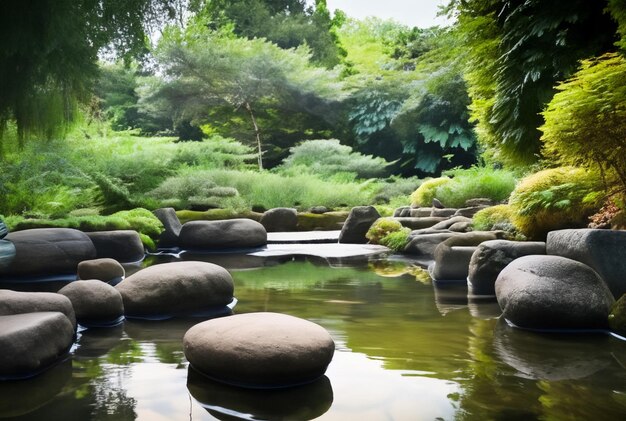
x=497 y=217
x=425 y=193
x=382 y=227
x=554 y=199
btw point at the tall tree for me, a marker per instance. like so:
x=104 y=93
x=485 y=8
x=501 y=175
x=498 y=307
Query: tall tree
x=287 y=23
x=209 y=70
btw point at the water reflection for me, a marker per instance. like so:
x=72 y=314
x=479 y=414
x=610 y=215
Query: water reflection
x=21 y=397
x=228 y=402
x=551 y=356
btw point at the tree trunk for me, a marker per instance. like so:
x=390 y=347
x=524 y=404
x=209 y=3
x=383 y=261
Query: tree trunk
x=257 y=133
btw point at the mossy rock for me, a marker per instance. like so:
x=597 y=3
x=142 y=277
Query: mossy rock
x=216 y=215
x=328 y=221
x=617 y=317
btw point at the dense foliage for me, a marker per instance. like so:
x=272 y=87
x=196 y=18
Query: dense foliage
x=586 y=120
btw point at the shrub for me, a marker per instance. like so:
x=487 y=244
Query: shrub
x=555 y=199
x=585 y=121
x=493 y=218
x=381 y=228
x=327 y=157
x=427 y=191
x=396 y=240
x=475 y=182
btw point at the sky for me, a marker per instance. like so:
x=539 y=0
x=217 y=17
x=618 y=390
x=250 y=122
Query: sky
x=421 y=13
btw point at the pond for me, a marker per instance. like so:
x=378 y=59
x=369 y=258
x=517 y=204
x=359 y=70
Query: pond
x=406 y=350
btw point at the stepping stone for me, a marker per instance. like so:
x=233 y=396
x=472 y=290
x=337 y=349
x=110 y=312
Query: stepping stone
x=358 y=223
x=13 y=302
x=224 y=234
x=176 y=289
x=33 y=342
x=95 y=303
x=125 y=246
x=106 y=270
x=259 y=350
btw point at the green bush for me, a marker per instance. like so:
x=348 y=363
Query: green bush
x=497 y=218
x=585 y=123
x=427 y=191
x=327 y=157
x=388 y=232
x=476 y=182
x=555 y=199
x=381 y=228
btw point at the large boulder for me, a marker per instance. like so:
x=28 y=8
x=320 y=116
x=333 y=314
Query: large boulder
x=171 y=225
x=553 y=292
x=358 y=223
x=452 y=256
x=259 y=350
x=491 y=257
x=224 y=234
x=48 y=251
x=125 y=246
x=602 y=250
x=14 y=302
x=176 y=289
x=32 y=342
x=280 y=220
x=106 y=270
x=95 y=303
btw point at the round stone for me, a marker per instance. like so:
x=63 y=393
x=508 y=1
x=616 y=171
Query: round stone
x=228 y=233
x=95 y=303
x=552 y=292
x=31 y=342
x=176 y=289
x=122 y=245
x=259 y=350
x=106 y=269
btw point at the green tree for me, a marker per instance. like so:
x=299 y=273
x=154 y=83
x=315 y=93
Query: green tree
x=208 y=70
x=586 y=120
x=48 y=55
x=287 y=23
x=518 y=50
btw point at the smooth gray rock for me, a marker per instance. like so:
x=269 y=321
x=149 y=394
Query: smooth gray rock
x=419 y=223
x=443 y=212
x=280 y=220
x=420 y=212
x=452 y=256
x=14 y=302
x=424 y=245
x=105 y=270
x=553 y=292
x=171 y=225
x=402 y=211
x=259 y=350
x=491 y=257
x=48 y=251
x=446 y=223
x=171 y=289
x=95 y=303
x=469 y=211
x=461 y=227
x=437 y=204
x=224 y=234
x=602 y=250
x=318 y=210
x=125 y=246
x=32 y=342
x=359 y=221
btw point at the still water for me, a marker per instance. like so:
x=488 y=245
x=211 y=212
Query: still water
x=406 y=350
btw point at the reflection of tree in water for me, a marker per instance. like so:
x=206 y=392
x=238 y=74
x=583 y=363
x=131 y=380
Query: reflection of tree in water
x=109 y=394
